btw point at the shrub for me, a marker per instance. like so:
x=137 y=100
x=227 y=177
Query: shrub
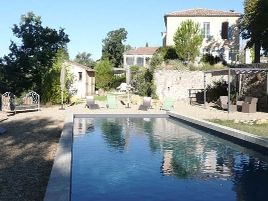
x=104 y=74
x=143 y=83
x=156 y=60
x=117 y=80
x=212 y=60
x=52 y=87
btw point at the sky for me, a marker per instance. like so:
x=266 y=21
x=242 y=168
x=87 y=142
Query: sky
x=87 y=22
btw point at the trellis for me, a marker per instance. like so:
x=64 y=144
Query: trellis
x=234 y=71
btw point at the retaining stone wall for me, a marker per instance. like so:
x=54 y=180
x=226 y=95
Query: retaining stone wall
x=176 y=84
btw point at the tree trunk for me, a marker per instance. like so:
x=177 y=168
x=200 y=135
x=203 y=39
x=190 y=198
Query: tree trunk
x=257 y=52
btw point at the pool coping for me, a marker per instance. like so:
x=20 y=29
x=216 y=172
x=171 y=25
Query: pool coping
x=59 y=184
x=255 y=140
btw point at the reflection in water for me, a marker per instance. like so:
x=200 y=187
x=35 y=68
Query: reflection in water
x=112 y=133
x=83 y=126
x=182 y=152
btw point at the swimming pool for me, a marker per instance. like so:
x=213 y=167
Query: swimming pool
x=161 y=159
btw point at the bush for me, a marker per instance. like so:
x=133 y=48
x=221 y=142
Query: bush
x=156 y=60
x=52 y=87
x=104 y=74
x=143 y=83
x=117 y=80
x=209 y=58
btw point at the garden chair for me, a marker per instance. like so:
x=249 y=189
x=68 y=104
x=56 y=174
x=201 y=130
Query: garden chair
x=167 y=104
x=91 y=103
x=146 y=104
x=111 y=102
x=250 y=105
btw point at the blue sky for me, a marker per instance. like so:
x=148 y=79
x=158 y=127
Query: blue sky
x=88 y=21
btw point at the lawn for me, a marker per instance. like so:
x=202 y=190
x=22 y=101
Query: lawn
x=100 y=98
x=258 y=129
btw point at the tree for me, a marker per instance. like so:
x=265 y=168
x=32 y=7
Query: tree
x=142 y=81
x=52 y=85
x=84 y=59
x=188 y=39
x=104 y=74
x=24 y=68
x=254 y=26
x=113 y=47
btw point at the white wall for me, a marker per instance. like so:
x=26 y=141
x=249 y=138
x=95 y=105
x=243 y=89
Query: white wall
x=215 y=30
x=135 y=59
x=215 y=25
x=79 y=85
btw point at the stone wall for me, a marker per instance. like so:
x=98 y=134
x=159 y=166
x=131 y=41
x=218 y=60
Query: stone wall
x=176 y=84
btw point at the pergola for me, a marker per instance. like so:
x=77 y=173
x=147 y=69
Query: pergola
x=235 y=71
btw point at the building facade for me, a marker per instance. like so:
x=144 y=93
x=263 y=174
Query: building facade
x=139 y=57
x=83 y=79
x=219 y=29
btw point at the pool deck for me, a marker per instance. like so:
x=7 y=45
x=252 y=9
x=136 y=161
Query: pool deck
x=59 y=186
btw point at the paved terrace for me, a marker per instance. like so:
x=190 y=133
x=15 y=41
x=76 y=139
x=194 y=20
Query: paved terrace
x=196 y=111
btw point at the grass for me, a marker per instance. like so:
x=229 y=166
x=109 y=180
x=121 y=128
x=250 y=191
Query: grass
x=100 y=98
x=257 y=129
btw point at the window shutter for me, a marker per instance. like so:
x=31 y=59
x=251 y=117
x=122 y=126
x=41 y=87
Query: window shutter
x=224 y=30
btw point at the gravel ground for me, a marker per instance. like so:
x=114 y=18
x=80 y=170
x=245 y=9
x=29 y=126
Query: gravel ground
x=27 y=151
x=28 y=147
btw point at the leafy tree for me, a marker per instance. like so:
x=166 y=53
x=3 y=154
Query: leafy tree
x=156 y=60
x=254 y=26
x=84 y=59
x=128 y=47
x=52 y=85
x=104 y=74
x=142 y=81
x=188 y=39
x=113 y=47
x=25 y=67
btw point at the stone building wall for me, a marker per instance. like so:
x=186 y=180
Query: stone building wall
x=176 y=84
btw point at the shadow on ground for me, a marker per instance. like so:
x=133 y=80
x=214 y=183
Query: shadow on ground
x=26 y=157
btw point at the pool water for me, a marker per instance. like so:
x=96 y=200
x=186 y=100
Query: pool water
x=157 y=159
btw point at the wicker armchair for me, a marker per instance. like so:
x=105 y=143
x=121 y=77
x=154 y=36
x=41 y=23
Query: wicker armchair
x=250 y=105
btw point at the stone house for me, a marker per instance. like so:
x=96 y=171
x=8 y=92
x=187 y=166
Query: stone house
x=219 y=28
x=139 y=57
x=83 y=80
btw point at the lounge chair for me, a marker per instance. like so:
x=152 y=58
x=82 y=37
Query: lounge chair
x=123 y=87
x=167 y=104
x=250 y=105
x=111 y=102
x=91 y=103
x=146 y=104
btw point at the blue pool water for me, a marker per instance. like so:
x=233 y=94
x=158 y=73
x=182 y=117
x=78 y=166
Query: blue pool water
x=157 y=159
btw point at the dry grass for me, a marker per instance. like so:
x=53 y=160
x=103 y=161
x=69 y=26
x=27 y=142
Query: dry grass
x=257 y=129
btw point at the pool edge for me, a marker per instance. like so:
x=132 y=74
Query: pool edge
x=231 y=132
x=59 y=184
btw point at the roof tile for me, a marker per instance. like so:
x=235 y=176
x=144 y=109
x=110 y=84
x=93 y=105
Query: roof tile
x=142 y=51
x=202 y=12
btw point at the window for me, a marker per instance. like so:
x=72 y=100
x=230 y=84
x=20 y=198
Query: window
x=206 y=29
x=140 y=61
x=79 y=76
x=224 y=30
x=130 y=61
